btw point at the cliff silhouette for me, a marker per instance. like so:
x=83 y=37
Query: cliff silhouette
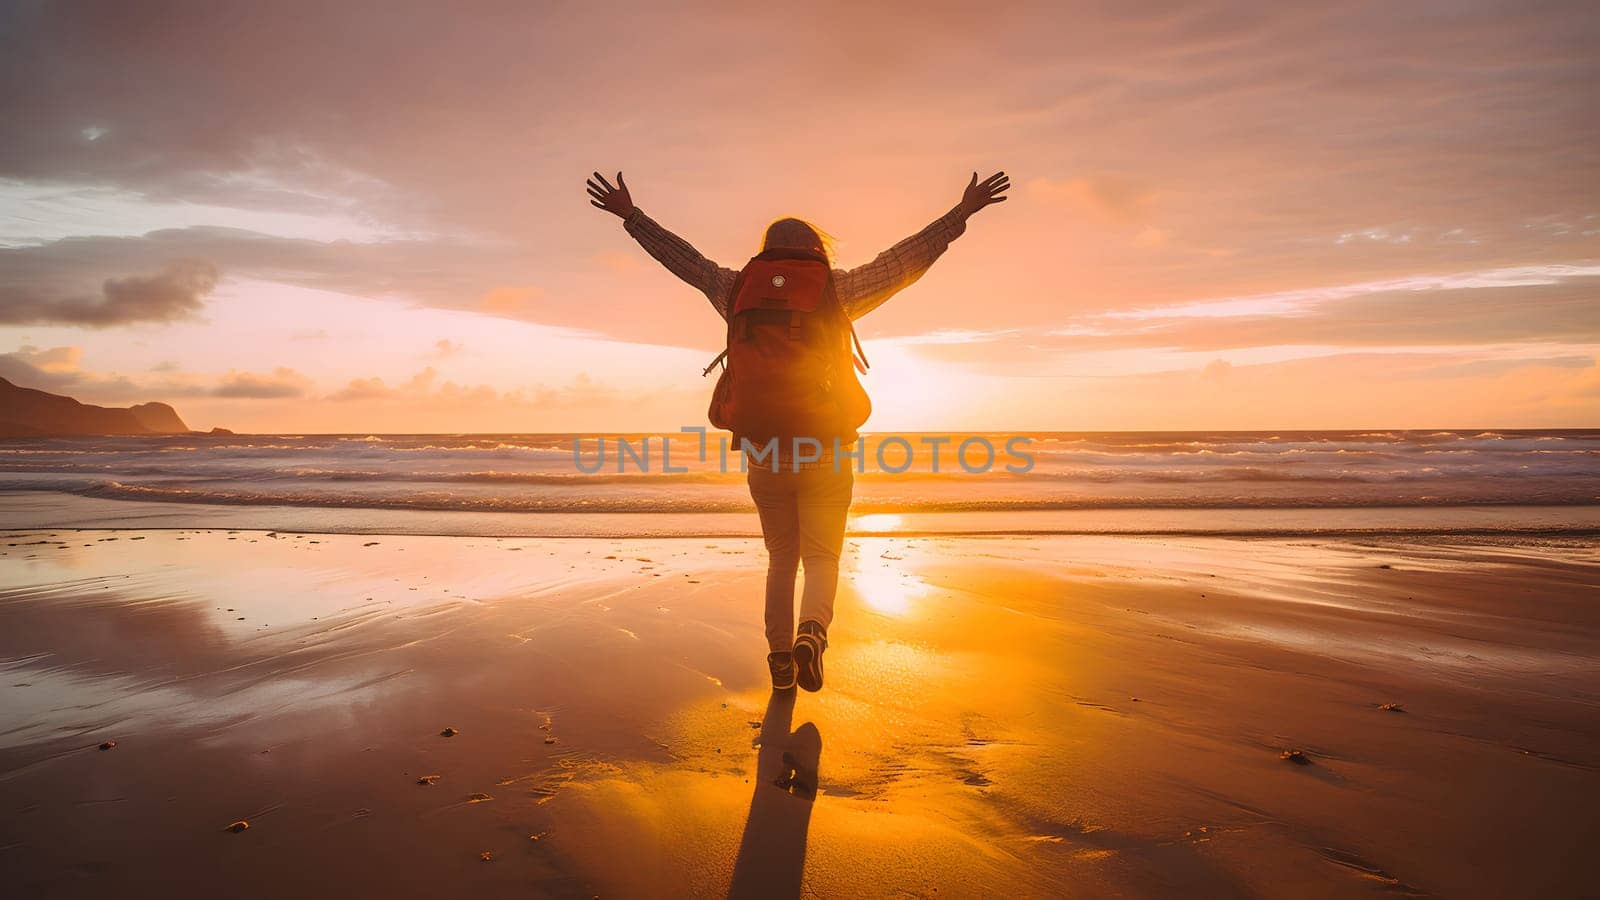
x=31 y=412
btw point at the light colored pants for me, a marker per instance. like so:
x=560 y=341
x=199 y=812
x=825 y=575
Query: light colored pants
x=802 y=519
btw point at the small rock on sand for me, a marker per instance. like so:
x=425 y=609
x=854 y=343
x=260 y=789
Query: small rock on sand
x=427 y=779
x=449 y=732
x=1391 y=707
x=487 y=856
x=107 y=745
x=1296 y=757
x=238 y=826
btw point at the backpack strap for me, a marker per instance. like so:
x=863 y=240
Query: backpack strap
x=858 y=355
x=723 y=356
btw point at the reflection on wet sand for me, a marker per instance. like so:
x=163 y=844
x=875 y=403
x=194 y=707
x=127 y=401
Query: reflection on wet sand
x=875 y=572
x=1026 y=717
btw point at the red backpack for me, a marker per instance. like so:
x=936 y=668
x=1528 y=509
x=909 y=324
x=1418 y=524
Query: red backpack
x=790 y=366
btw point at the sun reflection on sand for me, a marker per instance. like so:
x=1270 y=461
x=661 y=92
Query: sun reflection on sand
x=878 y=522
x=881 y=580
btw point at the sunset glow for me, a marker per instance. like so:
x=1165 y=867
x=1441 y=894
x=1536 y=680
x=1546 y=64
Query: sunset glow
x=506 y=449
x=1365 y=218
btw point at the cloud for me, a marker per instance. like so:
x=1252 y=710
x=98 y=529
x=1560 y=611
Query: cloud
x=1559 y=305
x=1150 y=238
x=361 y=389
x=60 y=370
x=956 y=336
x=1587 y=388
x=426 y=388
x=1261 y=132
x=41 y=369
x=1565 y=310
x=422 y=385
x=617 y=261
x=445 y=348
x=1344 y=390
x=1113 y=197
x=55 y=361
x=281 y=383
x=173 y=293
x=44 y=282
x=510 y=300
x=1474 y=368
x=1230 y=150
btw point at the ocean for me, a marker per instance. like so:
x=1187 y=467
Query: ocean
x=559 y=484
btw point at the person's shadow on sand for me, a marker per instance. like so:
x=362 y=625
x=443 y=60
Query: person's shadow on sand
x=772 y=853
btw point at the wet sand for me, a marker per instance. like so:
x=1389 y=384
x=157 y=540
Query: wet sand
x=1028 y=716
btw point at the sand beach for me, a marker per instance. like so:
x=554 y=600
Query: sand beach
x=1004 y=716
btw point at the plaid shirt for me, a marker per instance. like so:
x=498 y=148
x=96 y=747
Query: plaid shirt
x=861 y=290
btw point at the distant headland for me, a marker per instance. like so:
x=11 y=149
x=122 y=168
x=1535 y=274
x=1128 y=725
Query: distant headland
x=27 y=412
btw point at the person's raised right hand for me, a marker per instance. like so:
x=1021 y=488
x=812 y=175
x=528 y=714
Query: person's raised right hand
x=614 y=200
x=978 y=195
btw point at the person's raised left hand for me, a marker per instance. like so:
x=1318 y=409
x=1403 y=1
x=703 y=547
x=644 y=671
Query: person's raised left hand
x=614 y=200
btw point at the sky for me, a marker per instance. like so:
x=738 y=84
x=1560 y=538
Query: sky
x=365 y=217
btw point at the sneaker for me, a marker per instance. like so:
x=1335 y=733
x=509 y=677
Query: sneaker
x=782 y=667
x=808 y=647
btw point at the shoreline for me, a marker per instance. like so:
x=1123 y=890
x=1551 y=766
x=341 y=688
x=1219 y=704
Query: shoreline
x=32 y=510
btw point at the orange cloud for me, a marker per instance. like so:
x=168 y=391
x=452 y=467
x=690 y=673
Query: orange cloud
x=1110 y=197
x=510 y=300
x=55 y=361
x=281 y=383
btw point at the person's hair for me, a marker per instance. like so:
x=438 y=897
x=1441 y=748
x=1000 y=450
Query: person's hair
x=798 y=234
